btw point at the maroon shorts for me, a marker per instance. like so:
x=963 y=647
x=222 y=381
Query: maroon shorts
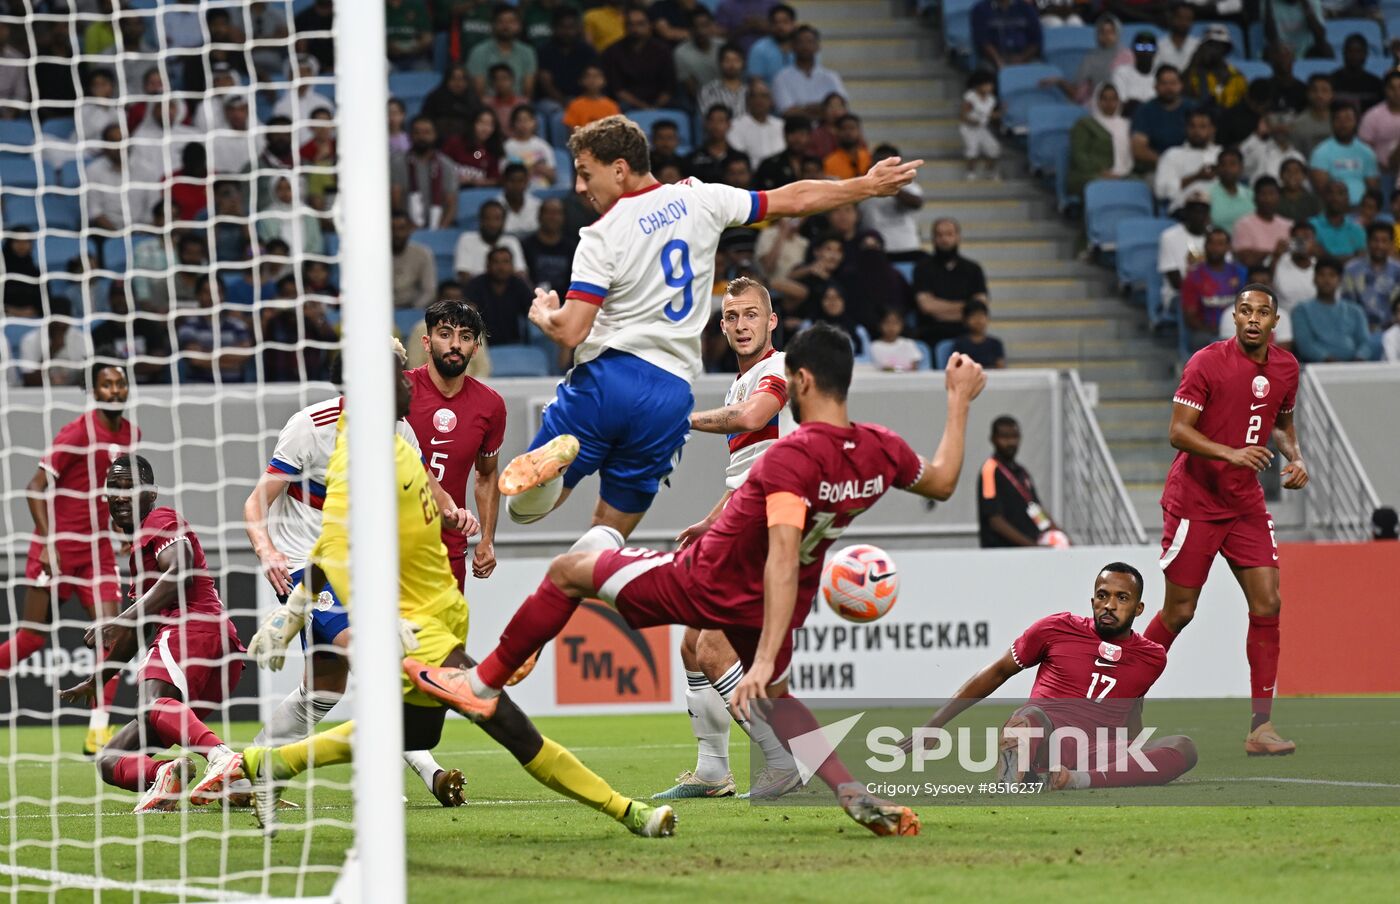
x=1189 y=547
x=88 y=573
x=459 y=569
x=202 y=661
x=650 y=588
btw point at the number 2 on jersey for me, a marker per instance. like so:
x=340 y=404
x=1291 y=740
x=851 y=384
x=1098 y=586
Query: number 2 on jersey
x=1251 y=436
x=675 y=267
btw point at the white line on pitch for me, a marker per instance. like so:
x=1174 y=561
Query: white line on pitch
x=1336 y=783
x=97 y=883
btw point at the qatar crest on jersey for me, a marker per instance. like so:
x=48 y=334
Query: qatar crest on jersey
x=1260 y=387
x=1109 y=651
x=444 y=420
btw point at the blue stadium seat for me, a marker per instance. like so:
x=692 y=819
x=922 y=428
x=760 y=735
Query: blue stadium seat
x=1251 y=69
x=469 y=203
x=331 y=242
x=1306 y=69
x=1379 y=65
x=1019 y=89
x=1255 y=33
x=1136 y=248
x=405 y=320
x=552 y=128
x=563 y=170
x=647 y=118
x=442 y=51
x=55 y=251
x=1066 y=46
x=70 y=175
x=412 y=87
x=62 y=212
x=1106 y=201
x=1236 y=33
x=19 y=210
x=15 y=330
x=957 y=27
x=518 y=361
x=906 y=270
x=1392 y=18
x=1338 y=30
x=18 y=132
x=535 y=338
x=862 y=339
x=18 y=172
x=1059 y=146
x=61 y=128
x=443 y=244
x=1045 y=122
x=1130 y=30
x=941 y=353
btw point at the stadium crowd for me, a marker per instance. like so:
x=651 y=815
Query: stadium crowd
x=179 y=205
x=1276 y=150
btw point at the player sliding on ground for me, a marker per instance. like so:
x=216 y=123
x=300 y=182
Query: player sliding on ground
x=192 y=663
x=754 y=573
x=71 y=554
x=634 y=312
x=1090 y=674
x=283 y=519
x=432 y=626
x=750 y=419
x=1234 y=395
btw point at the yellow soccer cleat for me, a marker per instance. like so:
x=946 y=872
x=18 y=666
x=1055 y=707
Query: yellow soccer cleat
x=539 y=466
x=97 y=738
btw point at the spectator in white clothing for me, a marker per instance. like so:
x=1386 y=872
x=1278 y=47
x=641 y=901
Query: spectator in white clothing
x=1136 y=80
x=14 y=76
x=54 y=354
x=1183 y=246
x=469 y=260
x=800 y=89
x=758 y=133
x=1190 y=164
x=302 y=99
x=522 y=208
x=109 y=191
x=895 y=217
x=236 y=143
x=1390 y=339
x=893 y=350
x=1294 y=272
x=1178 y=47
x=526 y=146
x=1271 y=143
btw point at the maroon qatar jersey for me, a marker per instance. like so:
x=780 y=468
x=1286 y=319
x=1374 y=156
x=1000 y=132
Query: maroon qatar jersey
x=453 y=432
x=200 y=598
x=1239 y=401
x=836 y=472
x=1086 y=672
x=78 y=461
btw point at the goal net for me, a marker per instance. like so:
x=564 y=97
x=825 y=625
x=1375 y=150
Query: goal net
x=173 y=200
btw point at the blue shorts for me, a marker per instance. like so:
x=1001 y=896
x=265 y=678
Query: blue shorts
x=631 y=419
x=328 y=617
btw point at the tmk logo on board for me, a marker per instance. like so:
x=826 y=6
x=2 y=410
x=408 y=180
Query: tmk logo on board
x=599 y=658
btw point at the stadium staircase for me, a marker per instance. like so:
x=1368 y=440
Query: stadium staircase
x=1051 y=309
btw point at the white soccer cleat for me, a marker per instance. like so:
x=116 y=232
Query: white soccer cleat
x=164 y=795
x=223 y=770
x=258 y=770
x=772 y=783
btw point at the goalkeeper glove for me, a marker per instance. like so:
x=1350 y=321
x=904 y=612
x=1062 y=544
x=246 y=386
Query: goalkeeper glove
x=408 y=635
x=269 y=646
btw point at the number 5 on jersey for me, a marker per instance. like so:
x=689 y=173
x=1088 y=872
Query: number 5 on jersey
x=438 y=465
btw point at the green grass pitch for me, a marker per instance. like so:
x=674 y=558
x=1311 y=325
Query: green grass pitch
x=518 y=839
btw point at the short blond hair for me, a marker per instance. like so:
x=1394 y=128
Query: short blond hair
x=613 y=138
x=743 y=284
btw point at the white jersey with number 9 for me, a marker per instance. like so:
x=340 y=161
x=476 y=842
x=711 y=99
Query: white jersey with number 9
x=649 y=262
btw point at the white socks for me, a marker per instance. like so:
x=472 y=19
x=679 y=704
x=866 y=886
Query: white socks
x=709 y=720
x=296 y=717
x=532 y=505
x=597 y=538
x=760 y=731
x=422 y=762
x=98 y=718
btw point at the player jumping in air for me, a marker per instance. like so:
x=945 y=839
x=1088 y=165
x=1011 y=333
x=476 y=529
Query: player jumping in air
x=72 y=553
x=461 y=423
x=433 y=627
x=192 y=662
x=1091 y=674
x=750 y=419
x=282 y=516
x=753 y=574
x=1233 y=396
x=636 y=306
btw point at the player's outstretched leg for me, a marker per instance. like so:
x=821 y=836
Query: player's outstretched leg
x=1169 y=759
x=534 y=481
x=160 y=783
x=709 y=722
x=267 y=768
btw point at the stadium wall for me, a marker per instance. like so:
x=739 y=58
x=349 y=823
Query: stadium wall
x=1366 y=398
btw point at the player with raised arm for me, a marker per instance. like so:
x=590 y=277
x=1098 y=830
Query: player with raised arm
x=1234 y=395
x=634 y=313
x=71 y=554
x=193 y=660
x=282 y=516
x=462 y=423
x=1091 y=674
x=750 y=421
x=754 y=573
x=433 y=626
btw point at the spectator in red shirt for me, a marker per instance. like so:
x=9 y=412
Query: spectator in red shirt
x=1210 y=288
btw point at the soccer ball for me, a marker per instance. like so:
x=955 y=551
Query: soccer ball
x=860 y=583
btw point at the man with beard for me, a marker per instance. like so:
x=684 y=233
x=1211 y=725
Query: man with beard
x=1091 y=674
x=463 y=421
x=943 y=283
x=283 y=518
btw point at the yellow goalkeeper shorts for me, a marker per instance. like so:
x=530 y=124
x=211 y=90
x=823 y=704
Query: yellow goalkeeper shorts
x=438 y=635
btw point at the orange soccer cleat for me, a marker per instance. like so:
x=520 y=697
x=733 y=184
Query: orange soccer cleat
x=879 y=816
x=538 y=466
x=451 y=686
x=1265 y=741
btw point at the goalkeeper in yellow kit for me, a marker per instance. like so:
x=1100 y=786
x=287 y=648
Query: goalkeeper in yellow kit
x=433 y=627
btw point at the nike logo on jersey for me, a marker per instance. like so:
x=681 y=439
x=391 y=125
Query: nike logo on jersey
x=407 y=486
x=1257 y=407
x=1105 y=665
x=1270 y=688
x=438 y=442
